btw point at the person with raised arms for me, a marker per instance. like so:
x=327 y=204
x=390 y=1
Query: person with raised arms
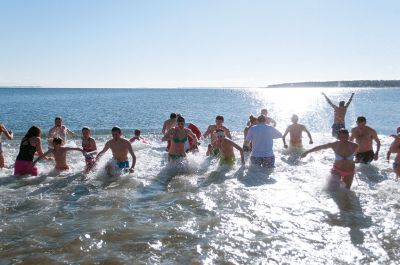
x=343 y=168
x=339 y=114
x=120 y=147
x=9 y=135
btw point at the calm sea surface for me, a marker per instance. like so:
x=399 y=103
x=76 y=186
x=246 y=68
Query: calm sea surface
x=205 y=214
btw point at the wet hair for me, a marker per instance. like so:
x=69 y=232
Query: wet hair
x=361 y=119
x=219 y=118
x=34 y=131
x=180 y=119
x=57 y=141
x=137 y=132
x=341 y=103
x=261 y=119
x=295 y=117
x=85 y=128
x=116 y=129
x=343 y=131
x=172 y=116
x=58 y=118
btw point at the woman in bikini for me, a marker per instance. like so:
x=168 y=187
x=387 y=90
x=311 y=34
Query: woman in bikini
x=178 y=135
x=344 y=167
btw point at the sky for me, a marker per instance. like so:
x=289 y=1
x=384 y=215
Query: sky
x=193 y=43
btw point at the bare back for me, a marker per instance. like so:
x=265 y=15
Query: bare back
x=296 y=131
x=340 y=113
x=60 y=157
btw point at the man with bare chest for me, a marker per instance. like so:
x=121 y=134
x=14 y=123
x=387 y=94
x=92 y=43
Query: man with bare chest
x=364 y=135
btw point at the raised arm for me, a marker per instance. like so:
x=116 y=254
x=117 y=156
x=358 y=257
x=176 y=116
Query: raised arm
x=284 y=138
x=8 y=134
x=132 y=169
x=350 y=99
x=308 y=133
x=71 y=133
x=329 y=101
x=317 y=148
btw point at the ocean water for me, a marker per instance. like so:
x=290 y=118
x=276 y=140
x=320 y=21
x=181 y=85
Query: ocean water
x=204 y=214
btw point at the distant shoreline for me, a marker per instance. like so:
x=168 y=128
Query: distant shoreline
x=353 y=83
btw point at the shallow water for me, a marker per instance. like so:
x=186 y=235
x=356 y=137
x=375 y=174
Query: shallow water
x=206 y=214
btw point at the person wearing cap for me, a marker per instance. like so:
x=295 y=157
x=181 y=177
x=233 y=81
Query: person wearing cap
x=178 y=136
x=226 y=145
x=9 y=135
x=395 y=148
x=268 y=120
x=364 y=135
x=343 y=169
x=120 y=148
x=295 y=130
x=252 y=121
x=261 y=136
x=219 y=125
x=339 y=114
x=58 y=131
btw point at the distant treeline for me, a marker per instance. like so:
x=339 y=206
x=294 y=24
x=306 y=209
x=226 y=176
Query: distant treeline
x=355 y=83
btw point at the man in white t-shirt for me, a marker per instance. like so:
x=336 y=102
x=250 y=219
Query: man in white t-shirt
x=261 y=136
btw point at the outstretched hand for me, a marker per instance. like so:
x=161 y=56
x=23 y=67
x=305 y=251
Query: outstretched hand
x=131 y=170
x=311 y=142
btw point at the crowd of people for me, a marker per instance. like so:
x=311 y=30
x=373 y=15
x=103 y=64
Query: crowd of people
x=349 y=148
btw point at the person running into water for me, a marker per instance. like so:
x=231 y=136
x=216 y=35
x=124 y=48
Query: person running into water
x=339 y=113
x=30 y=145
x=268 y=120
x=90 y=148
x=178 y=137
x=295 y=131
x=138 y=138
x=9 y=135
x=226 y=145
x=219 y=124
x=262 y=135
x=120 y=147
x=395 y=148
x=60 y=154
x=58 y=131
x=252 y=121
x=364 y=136
x=344 y=168
x=168 y=124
